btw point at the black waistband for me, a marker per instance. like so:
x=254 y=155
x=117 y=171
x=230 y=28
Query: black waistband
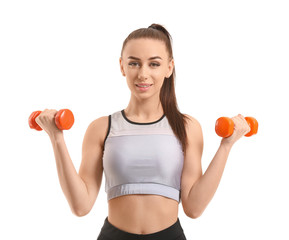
x=169 y=233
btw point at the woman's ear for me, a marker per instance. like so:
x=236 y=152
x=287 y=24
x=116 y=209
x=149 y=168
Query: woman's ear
x=121 y=67
x=171 y=68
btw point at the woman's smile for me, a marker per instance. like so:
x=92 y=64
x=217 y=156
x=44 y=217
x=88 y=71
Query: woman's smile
x=143 y=87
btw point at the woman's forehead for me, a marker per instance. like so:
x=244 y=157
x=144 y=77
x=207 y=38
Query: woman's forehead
x=145 y=47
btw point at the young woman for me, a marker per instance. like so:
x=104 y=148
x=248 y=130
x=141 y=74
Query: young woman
x=150 y=152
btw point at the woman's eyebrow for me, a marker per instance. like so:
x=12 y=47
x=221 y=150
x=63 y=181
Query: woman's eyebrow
x=151 y=58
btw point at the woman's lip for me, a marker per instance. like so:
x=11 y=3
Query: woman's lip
x=143 y=88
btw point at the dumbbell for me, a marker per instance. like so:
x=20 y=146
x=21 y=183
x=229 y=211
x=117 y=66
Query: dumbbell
x=224 y=126
x=64 y=120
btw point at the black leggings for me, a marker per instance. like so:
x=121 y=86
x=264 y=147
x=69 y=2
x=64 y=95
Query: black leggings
x=110 y=232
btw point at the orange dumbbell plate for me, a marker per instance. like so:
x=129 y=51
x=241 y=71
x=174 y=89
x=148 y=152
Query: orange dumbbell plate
x=64 y=119
x=224 y=127
x=253 y=123
x=31 y=121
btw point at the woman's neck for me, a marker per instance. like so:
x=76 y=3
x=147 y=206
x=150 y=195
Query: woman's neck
x=144 y=110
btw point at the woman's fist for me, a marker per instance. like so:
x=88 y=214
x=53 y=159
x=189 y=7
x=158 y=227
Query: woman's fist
x=241 y=128
x=46 y=120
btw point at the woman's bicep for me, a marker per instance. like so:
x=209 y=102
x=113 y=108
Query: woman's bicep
x=91 y=168
x=192 y=169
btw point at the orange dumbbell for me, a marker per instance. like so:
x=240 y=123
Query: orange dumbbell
x=225 y=126
x=64 y=120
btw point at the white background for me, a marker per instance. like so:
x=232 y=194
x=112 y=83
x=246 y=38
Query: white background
x=231 y=57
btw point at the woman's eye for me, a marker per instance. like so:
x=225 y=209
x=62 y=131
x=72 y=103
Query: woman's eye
x=155 y=64
x=133 y=64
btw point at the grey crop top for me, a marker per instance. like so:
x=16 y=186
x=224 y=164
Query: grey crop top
x=142 y=158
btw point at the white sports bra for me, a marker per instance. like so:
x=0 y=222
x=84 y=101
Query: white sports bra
x=142 y=158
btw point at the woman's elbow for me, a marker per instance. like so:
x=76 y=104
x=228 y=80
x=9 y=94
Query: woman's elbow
x=80 y=212
x=195 y=214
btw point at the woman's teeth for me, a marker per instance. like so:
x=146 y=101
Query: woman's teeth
x=143 y=85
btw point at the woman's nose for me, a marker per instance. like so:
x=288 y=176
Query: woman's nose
x=143 y=73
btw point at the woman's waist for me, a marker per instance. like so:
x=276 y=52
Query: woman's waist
x=142 y=213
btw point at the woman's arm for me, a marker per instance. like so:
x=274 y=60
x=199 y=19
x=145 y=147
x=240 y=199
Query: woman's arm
x=205 y=187
x=200 y=188
x=72 y=185
x=80 y=189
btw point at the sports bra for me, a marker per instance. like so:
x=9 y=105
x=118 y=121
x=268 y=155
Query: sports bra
x=142 y=158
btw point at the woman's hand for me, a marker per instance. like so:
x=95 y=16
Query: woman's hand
x=46 y=120
x=241 y=128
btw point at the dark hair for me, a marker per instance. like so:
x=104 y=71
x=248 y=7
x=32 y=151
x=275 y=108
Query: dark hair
x=176 y=119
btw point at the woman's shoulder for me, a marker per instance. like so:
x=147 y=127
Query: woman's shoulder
x=193 y=126
x=98 y=128
x=102 y=119
x=99 y=122
x=192 y=120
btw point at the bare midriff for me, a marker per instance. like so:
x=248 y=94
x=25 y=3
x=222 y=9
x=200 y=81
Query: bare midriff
x=142 y=213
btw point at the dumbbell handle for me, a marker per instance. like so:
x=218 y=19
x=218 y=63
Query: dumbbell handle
x=64 y=120
x=224 y=126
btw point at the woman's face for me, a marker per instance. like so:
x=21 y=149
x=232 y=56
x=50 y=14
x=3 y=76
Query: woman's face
x=145 y=63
